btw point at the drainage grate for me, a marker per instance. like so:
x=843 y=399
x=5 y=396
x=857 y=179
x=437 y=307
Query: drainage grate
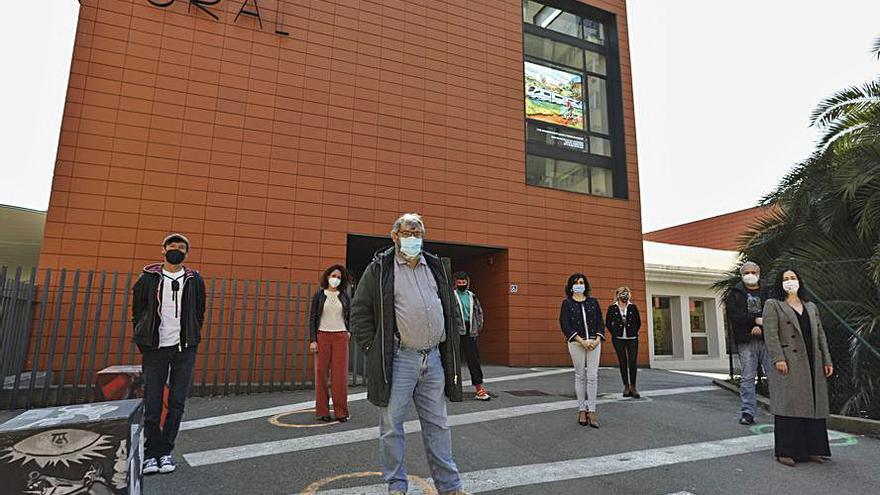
x=528 y=393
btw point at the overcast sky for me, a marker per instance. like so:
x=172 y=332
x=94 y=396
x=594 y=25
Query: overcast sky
x=723 y=93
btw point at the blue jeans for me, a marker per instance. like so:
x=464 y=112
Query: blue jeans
x=750 y=354
x=417 y=377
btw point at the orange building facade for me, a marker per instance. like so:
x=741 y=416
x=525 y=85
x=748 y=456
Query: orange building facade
x=721 y=232
x=283 y=136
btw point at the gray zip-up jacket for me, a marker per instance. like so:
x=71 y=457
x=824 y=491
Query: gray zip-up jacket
x=475 y=315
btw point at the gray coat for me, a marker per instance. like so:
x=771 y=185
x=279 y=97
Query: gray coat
x=791 y=395
x=475 y=317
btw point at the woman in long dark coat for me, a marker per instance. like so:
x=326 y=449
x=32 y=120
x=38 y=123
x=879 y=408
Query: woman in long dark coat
x=801 y=365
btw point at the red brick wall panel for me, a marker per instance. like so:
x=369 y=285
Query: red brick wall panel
x=721 y=232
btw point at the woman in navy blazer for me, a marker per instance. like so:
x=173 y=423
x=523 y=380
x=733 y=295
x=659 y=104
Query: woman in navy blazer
x=580 y=320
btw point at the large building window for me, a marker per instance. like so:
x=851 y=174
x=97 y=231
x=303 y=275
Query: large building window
x=574 y=130
x=662 y=314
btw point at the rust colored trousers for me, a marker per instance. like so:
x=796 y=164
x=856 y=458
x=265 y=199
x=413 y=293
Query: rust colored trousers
x=333 y=357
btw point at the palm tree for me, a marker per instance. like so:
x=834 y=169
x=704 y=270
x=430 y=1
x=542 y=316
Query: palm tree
x=826 y=221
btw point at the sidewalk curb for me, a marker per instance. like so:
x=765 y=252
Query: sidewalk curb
x=848 y=424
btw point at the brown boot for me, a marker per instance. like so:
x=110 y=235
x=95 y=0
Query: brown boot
x=633 y=392
x=627 y=391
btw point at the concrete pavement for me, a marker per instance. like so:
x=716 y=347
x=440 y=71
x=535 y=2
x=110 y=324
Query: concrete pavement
x=682 y=437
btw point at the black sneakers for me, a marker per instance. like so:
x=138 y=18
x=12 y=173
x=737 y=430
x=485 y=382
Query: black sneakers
x=747 y=419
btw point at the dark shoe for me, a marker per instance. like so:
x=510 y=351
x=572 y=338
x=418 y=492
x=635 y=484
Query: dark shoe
x=166 y=465
x=582 y=418
x=593 y=420
x=343 y=419
x=747 y=419
x=325 y=419
x=634 y=393
x=627 y=391
x=788 y=461
x=151 y=466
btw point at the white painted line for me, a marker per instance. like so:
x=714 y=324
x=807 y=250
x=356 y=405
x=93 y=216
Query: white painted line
x=680 y=493
x=703 y=374
x=588 y=467
x=271 y=411
x=285 y=446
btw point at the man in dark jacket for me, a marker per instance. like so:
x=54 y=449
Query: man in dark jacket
x=168 y=308
x=744 y=305
x=404 y=318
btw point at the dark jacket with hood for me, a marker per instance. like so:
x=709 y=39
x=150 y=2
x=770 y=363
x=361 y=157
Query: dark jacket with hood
x=317 y=310
x=146 y=314
x=741 y=319
x=374 y=325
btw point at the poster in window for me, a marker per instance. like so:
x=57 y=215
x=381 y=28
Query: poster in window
x=554 y=96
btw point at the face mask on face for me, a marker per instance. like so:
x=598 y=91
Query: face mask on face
x=461 y=287
x=334 y=282
x=410 y=246
x=750 y=279
x=791 y=286
x=174 y=256
x=578 y=288
x=624 y=297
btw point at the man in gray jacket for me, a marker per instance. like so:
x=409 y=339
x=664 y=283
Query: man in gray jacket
x=472 y=315
x=404 y=318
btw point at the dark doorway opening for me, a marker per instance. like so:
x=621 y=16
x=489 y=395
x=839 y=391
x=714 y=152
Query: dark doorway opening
x=487 y=267
x=360 y=250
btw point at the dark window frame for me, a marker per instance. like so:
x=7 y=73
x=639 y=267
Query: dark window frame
x=614 y=94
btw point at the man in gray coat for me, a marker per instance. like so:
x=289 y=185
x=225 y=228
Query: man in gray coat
x=403 y=317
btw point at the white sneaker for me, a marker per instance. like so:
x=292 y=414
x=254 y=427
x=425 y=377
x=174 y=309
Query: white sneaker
x=482 y=395
x=166 y=465
x=151 y=466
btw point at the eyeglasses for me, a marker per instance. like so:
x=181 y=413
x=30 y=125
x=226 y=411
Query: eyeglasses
x=410 y=233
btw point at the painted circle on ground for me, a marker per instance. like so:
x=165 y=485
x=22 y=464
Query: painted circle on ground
x=837 y=438
x=312 y=489
x=276 y=420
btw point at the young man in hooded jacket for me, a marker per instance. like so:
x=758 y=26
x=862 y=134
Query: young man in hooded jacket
x=168 y=309
x=472 y=315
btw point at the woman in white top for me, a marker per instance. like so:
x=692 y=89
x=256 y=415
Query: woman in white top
x=329 y=336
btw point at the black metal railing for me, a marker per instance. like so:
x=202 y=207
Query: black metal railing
x=58 y=328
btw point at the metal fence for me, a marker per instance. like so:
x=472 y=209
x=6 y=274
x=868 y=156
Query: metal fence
x=849 y=305
x=58 y=328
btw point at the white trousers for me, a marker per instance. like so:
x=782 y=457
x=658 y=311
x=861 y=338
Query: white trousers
x=586 y=374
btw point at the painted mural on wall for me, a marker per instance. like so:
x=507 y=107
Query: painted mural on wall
x=74 y=450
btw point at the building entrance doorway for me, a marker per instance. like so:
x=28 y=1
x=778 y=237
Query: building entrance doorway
x=487 y=267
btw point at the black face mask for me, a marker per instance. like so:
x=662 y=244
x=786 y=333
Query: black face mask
x=461 y=287
x=174 y=256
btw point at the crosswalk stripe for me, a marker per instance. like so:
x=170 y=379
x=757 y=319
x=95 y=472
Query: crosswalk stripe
x=588 y=467
x=240 y=452
x=271 y=411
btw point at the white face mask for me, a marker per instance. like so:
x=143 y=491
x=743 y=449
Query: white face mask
x=578 y=288
x=750 y=279
x=334 y=282
x=791 y=286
